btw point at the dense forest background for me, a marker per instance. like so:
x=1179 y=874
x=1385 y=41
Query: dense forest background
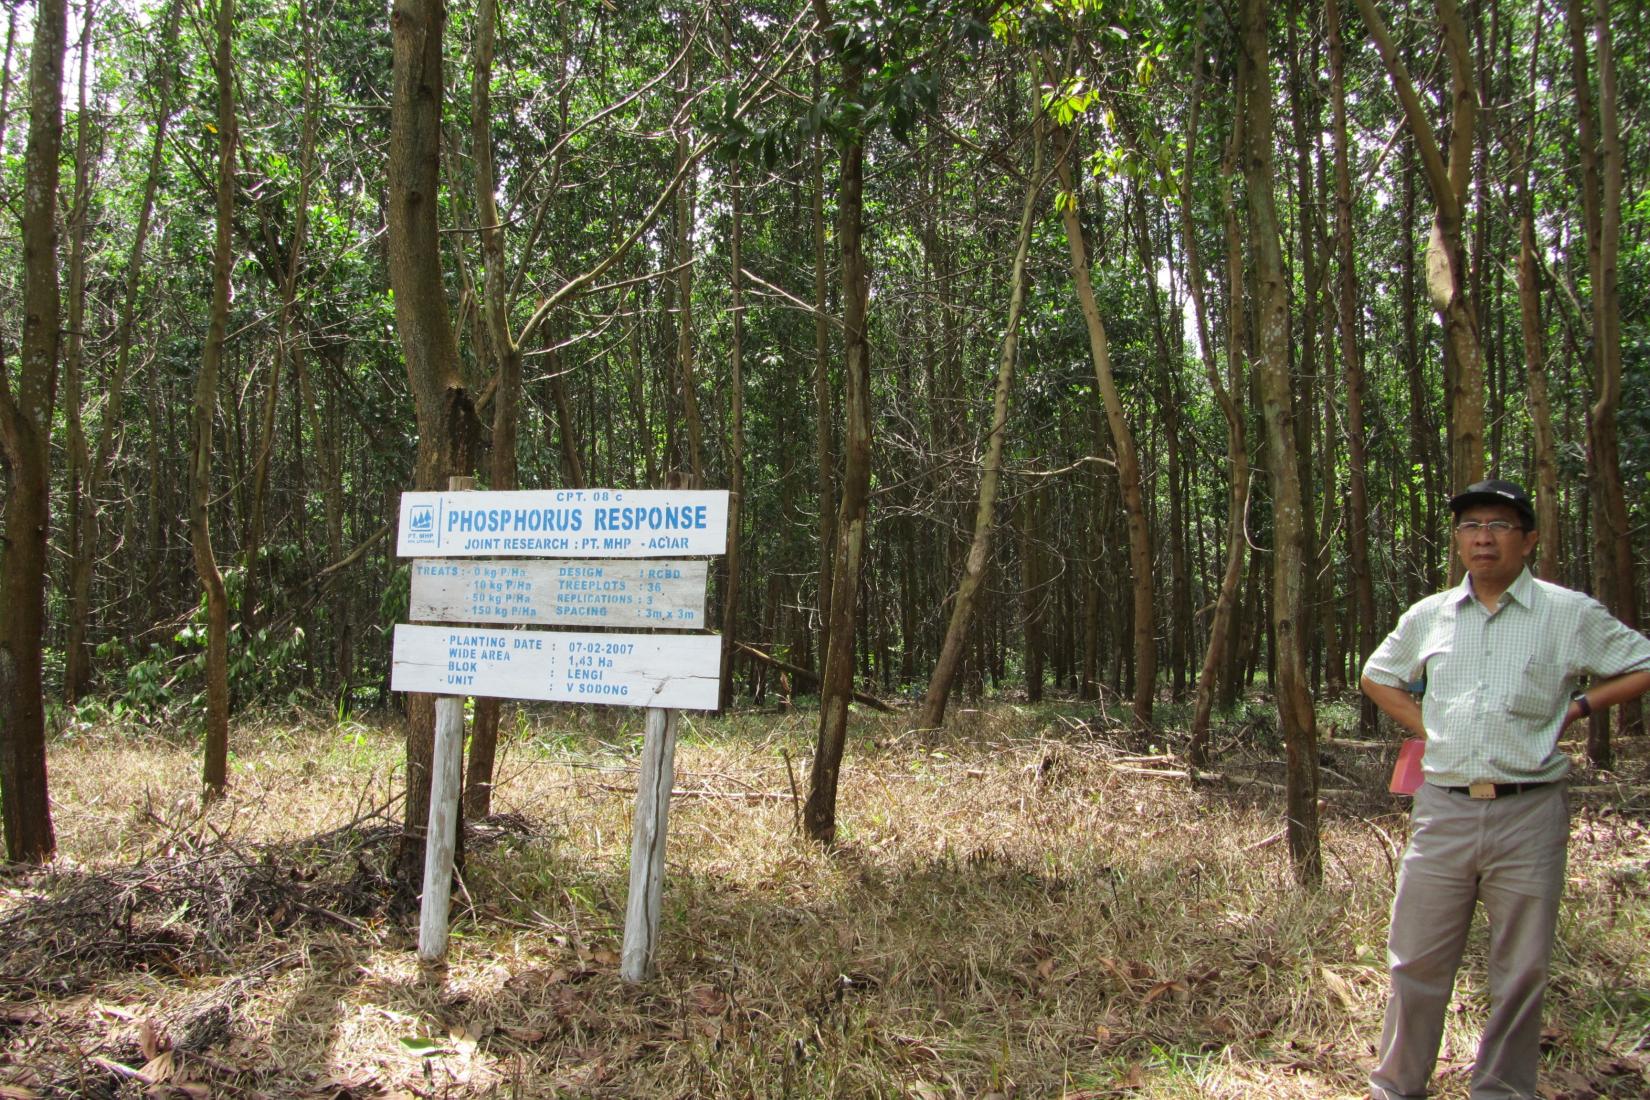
x=1128 y=350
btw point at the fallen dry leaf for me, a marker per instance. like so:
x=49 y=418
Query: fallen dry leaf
x=707 y=1000
x=465 y=1036
x=915 y=1048
x=1563 y=1084
x=1222 y=1027
x=1177 y=991
x=524 y=1034
x=159 y=1067
x=1340 y=988
x=1115 y=969
x=1624 y=1064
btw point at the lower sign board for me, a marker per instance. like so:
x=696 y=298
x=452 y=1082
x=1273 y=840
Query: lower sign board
x=594 y=592
x=632 y=670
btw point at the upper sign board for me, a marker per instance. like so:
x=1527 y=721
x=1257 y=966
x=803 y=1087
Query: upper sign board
x=565 y=523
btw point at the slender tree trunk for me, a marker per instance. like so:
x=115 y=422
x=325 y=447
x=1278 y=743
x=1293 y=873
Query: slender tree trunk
x=1128 y=462
x=837 y=679
x=215 y=767
x=448 y=429
x=1357 y=534
x=1601 y=188
x=79 y=454
x=1289 y=619
x=736 y=441
x=685 y=335
x=1168 y=403
x=1222 y=635
x=1545 y=456
x=1448 y=281
x=824 y=414
x=1316 y=504
x=506 y=356
x=25 y=434
x=941 y=680
x=1033 y=598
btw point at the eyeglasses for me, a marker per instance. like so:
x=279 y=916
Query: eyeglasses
x=1494 y=527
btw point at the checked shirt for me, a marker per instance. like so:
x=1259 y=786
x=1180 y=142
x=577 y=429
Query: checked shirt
x=1497 y=685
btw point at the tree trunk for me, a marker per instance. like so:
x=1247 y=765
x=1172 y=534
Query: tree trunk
x=1289 y=520
x=1601 y=188
x=215 y=766
x=824 y=414
x=79 y=454
x=1169 y=397
x=685 y=335
x=731 y=561
x=1357 y=534
x=1545 y=452
x=943 y=677
x=1032 y=596
x=506 y=356
x=448 y=428
x=1230 y=396
x=1128 y=463
x=1448 y=282
x=837 y=678
x=25 y=433
x=1316 y=583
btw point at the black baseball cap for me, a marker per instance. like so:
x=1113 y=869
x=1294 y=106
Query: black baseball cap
x=1495 y=491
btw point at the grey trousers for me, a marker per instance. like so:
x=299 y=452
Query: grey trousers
x=1509 y=854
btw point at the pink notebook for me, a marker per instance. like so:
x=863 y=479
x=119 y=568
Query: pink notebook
x=1406 y=773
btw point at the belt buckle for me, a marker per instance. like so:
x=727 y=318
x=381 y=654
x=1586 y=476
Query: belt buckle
x=1483 y=789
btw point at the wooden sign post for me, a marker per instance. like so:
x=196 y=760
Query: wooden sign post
x=476 y=565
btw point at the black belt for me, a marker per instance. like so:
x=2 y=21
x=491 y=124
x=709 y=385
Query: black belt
x=1502 y=790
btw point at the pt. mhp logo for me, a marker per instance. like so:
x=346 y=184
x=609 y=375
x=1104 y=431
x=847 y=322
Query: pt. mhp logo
x=421 y=523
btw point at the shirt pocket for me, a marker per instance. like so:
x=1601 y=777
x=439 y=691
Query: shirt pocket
x=1538 y=693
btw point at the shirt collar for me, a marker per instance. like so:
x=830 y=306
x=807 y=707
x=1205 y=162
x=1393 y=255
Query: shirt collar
x=1522 y=590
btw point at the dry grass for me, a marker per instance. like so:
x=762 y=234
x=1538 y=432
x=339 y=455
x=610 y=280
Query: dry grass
x=1014 y=911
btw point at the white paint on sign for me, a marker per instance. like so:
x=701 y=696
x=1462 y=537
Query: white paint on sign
x=591 y=592
x=632 y=670
x=564 y=523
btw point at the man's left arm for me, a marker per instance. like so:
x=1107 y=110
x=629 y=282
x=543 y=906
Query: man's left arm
x=1618 y=657
x=1604 y=694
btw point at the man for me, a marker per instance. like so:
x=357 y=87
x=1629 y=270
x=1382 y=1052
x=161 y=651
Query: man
x=1501 y=656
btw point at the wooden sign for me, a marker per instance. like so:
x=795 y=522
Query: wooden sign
x=564 y=523
x=589 y=592
x=663 y=672
x=636 y=670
